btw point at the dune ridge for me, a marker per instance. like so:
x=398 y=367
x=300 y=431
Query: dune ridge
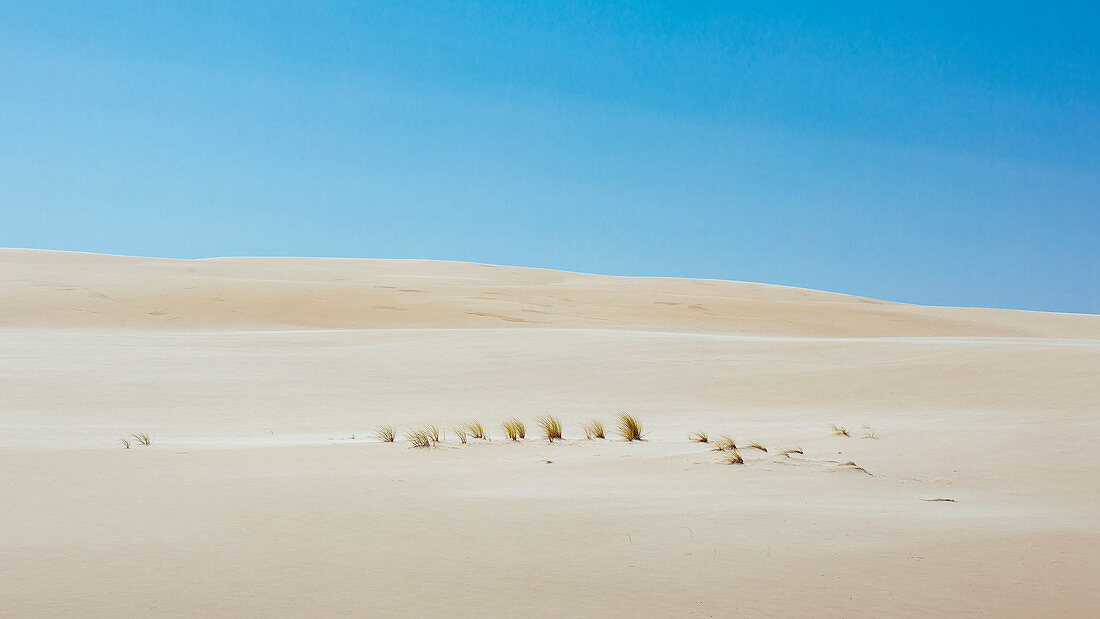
x=50 y=289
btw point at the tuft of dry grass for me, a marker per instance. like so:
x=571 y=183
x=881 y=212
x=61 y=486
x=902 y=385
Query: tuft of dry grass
x=550 y=425
x=757 y=446
x=593 y=429
x=514 y=428
x=840 y=430
x=433 y=433
x=787 y=452
x=386 y=433
x=419 y=437
x=734 y=458
x=630 y=428
x=699 y=437
x=854 y=466
x=724 y=443
x=143 y=438
x=474 y=429
x=461 y=433
x=870 y=434
x=125 y=443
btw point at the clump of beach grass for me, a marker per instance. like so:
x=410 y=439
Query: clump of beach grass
x=474 y=429
x=629 y=427
x=699 y=437
x=386 y=433
x=419 y=437
x=550 y=425
x=514 y=428
x=757 y=446
x=724 y=443
x=734 y=458
x=433 y=433
x=870 y=434
x=125 y=443
x=840 y=430
x=142 y=438
x=461 y=433
x=593 y=429
x=787 y=452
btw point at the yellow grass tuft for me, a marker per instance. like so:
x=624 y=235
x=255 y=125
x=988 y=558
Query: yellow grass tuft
x=757 y=446
x=419 y=437
x=474 y=429
x=433 y=433
x=514 y=428
x=143 y=438
x=734 y=458
x=699 y=437
x=125 y=443
x=461 y=433
x=593 y=429
x=550 y=425
x=630 y=428
x=840 y=430
x=386 y=433
x=724 y=443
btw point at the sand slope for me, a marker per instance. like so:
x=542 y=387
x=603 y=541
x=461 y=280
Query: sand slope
x=253 y=374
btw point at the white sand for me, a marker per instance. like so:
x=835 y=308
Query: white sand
x=253 y=374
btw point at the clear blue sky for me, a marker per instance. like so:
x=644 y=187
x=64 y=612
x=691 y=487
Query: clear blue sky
x=945 y=154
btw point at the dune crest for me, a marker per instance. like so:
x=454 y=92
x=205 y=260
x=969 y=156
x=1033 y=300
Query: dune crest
x=51 y=289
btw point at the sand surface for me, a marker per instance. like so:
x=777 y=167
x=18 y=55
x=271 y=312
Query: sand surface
x=261 y=381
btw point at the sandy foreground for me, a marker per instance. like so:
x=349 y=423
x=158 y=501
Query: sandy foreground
x=261 y=381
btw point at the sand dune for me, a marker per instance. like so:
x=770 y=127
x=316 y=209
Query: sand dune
x=254 y=374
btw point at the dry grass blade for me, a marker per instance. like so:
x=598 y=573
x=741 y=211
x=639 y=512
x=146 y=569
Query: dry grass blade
x=419 y=437
x=474 y=429
x=788 y=452
x=870 y=434
x=142 y=438
x=724 y=443
x=630 y=428
x=461 y=433
x=386 y=433
x=125 y=443
x=734 y=458
x=593 y=429
x=514 y=428
x=699 y=437
x=757 y=446
x=550 y=425
x=840 y=430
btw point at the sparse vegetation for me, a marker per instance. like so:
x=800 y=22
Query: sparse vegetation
x=461 y=433
x=386 y=433
x=514 y=428
x=474 y=429
x=630 y=428
x=550 y=425
x=870 y=434
x=724 y=443
x=787 y=452
x=432 y=431
x=699 y=437
x=142 y=438
x=734 y=458
x=593 y=429
x=419 y=437
x=757 y=446
x=125 y=443
x=840 y=430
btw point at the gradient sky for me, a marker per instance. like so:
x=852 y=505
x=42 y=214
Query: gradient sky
x=935 y=153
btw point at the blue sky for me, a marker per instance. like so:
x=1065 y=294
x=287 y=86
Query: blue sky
x=934 y=153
